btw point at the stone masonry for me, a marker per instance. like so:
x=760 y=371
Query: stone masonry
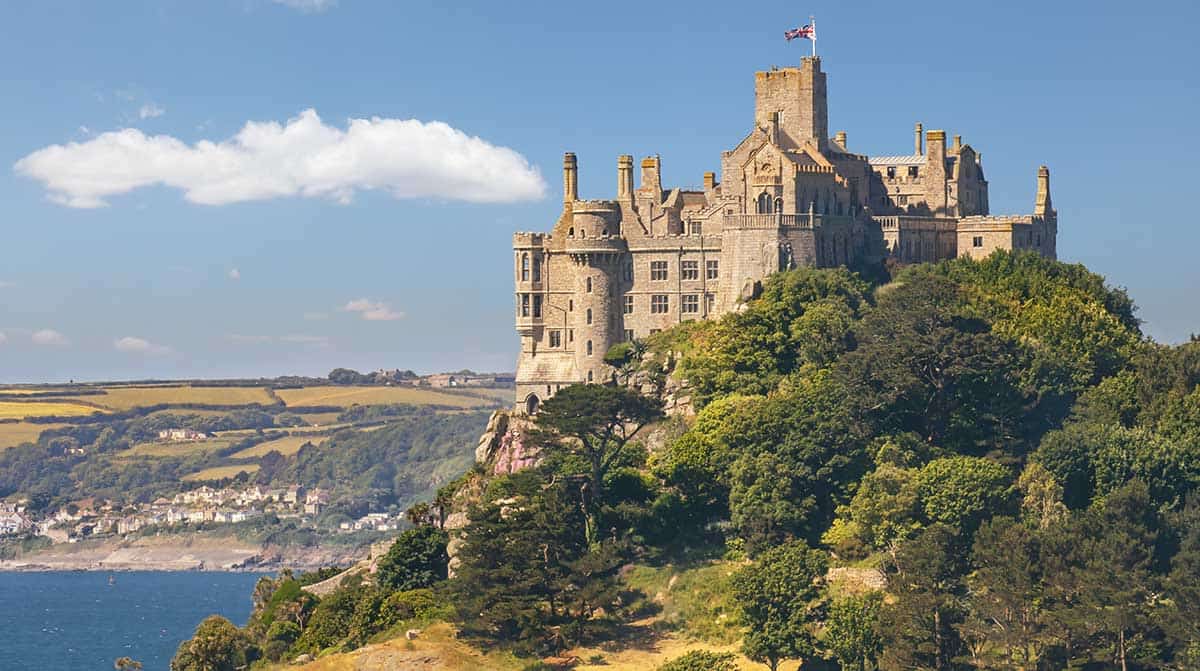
x=790 y=196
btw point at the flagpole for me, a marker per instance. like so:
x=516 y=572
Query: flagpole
x=812 y=21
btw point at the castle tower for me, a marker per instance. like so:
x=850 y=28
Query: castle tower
x=797 y=96
x=596 y=271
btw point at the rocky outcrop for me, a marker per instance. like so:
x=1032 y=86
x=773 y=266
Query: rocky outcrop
x=503 y=447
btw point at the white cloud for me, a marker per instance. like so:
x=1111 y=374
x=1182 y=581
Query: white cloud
x=3 y=338
x=150 y=111
x=303 y=157
x=235 y=274
x=308 y=6
x=139 y=345
x=373 y=311
x=49 y=337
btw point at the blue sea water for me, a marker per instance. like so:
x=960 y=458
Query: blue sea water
x=77 y=621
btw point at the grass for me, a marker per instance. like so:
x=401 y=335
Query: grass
x=127 y=398
x=221 y=472
x=286 y=446
x=348 y=396
x=696 y=601
x=13 y=434
x=22 y=409
x=156 y=449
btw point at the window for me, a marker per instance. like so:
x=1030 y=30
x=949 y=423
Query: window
x=589 y=315
x=589 y=348
x=977 y=241
x=658 y=270
x=524 y=305
x=570 y=335
x=628 y=335
x=571 y=305
x=690 y=303
x=628 y=305
x=589 y=285
x=708 y=304
x=658 y=304
x=891 y=172
x=524 y=267
x=628 y=272
x=689 y=270
x=589 y=377
x=537 y=306
x=697 y=228
x=710 y=270
x=764 y=203
x=556 y=338
x=537 y=269
x=912 y=171
x=903 y=200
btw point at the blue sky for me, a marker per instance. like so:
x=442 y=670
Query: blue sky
x=212 y=260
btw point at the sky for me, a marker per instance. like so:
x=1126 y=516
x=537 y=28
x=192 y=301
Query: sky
x=238 y=188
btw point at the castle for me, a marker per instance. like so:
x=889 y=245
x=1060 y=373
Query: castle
x=790 y=195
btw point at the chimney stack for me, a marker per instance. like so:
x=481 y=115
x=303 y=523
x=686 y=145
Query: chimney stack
x=1042 y=205
x=841 y=138
x=957 y=142
x=710 y=181
x=920 y=139
x=624 y=178
x=936 y=146
x=570 y=178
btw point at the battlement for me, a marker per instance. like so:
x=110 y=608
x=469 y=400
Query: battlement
x=528 y=239
x=992 y=221
x=893 y=223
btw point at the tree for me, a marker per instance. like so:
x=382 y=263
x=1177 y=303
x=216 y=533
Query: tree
x=961 y=492
x=776 y=596
x=417 y=559
x=851 y=630
x=919 y=628
x=217 y=645
x=595 y=422
x=127 y=664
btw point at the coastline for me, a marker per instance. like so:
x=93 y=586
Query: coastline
x=184 y=553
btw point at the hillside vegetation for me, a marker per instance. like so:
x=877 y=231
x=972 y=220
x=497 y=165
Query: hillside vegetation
x=978 y=465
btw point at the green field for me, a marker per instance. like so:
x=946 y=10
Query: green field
x=285 y=446
x=348 y=396
x=219 y=472
x=22 y=409
x=126 y=398
x=156 y=449
x=15 y=433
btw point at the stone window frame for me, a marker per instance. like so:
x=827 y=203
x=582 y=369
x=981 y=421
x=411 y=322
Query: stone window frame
x=977 y=241
x=537 y=306
x=689 y=303
x=629 y=335
x=628 y=272
x=628 y=305
x=689 y=270
x=710 y=302
x=556 y=338
x=712 y=269
x=537 y=268
x=660 y=304
x=588 y=283
x=524 y=305
x=659 y=271
x=589 y=316
x=590 y=349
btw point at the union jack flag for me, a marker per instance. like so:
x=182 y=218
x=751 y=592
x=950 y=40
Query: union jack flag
x=807 y=32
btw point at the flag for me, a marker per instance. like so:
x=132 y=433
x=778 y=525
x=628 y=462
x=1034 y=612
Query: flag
x=808 y=32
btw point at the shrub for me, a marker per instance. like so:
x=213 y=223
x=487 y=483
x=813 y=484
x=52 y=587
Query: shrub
x=701 y=660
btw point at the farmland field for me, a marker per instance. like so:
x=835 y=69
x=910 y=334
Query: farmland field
x=22 y=409
x=348 y=396
x=218 y=472
x=12 y=434
x=125 y=398
x=155 y=449
x=286 y=446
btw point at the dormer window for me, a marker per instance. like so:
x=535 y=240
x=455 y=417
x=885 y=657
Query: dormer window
x=912 y=171
x=891 y=172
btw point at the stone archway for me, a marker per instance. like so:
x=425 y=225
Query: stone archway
x=532 y=403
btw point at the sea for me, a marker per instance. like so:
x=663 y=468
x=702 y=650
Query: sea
x=83 y=621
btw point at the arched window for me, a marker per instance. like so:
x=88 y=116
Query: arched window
x=779 y=205
x=531 y=404
x=525 y=267
x=589 y=316
x=571 y=232
x=764 y=203
x=589 y=348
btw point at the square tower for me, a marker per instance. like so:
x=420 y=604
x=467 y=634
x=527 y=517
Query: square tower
x=796 y=98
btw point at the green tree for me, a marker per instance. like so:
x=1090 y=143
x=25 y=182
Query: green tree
x=217 y=645
x=919 y=627
x=776 y=595
x=595 y=423
x=961 y=492
x=417 y=559
x=851 y=630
